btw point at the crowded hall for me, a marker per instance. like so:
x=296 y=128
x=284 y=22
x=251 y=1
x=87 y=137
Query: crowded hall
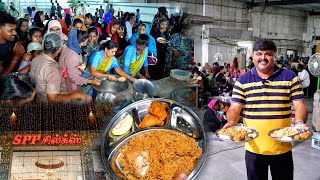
x=159 y=89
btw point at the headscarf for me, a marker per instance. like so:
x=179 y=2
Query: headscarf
x=212 y=103
x=37 y=19
x=115 y=35
x=107 y=18
x=73 y=42
x=64 y=26
x=68 y=21
x=152 y=43
x=53 y=23
x=83 y=28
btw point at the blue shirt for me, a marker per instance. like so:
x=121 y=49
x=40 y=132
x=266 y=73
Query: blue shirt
x=130 y=56
x=97 y=57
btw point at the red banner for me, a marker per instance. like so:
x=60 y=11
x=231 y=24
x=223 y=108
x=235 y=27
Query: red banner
x=39 y=139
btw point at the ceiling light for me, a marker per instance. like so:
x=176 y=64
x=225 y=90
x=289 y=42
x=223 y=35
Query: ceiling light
x=247 y=44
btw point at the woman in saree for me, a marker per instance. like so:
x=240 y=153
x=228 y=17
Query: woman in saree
x=103 y=61
x=135 y=56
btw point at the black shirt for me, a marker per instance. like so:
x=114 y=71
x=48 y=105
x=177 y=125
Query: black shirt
x=6 y=54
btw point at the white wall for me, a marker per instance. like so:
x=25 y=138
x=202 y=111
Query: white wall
x=147 y=11
x=284 y=26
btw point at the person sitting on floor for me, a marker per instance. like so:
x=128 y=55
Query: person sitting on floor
x=224 y=88
x=210 y=119
x=222 y=113
x=197 y=79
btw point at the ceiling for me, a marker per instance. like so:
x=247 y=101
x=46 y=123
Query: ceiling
x=312 y=6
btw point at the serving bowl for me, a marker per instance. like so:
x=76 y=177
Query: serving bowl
x=180 y=75
x=144 y=86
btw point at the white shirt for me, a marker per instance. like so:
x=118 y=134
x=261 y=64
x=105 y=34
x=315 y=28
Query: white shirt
x=304 y=78
x=129 y=30
x=33 y=13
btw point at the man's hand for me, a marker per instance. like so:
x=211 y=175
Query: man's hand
x=302 y=125
x=18 y=51
x=26 y=57
x=120 y=31
x=96 y=82
x=84 y=98
x=147 y=76
x=180 y=177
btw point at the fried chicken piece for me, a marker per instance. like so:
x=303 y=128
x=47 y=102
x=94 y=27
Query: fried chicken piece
x=305 y=135
x=150 y=120
x=158 y=109
x=139 y=162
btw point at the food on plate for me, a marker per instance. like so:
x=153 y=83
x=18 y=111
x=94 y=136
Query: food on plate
x=158 y=115
x=236 y=134
x=123 y=126
x=284 y=132
x=302 y=136
x=159 y=154
x=150 y=120
x=162 y=40
x=122 y=79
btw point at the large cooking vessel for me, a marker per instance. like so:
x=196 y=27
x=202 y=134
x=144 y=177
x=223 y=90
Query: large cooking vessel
x=144 y=86
x=112 y=87
x=182 y=119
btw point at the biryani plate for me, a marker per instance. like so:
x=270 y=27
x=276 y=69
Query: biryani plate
x=237 y=134
x=150 y=138
x=290 y=134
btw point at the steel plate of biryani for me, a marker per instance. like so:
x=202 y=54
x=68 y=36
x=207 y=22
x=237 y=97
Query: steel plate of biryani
x=154 y=139
x=157 y=154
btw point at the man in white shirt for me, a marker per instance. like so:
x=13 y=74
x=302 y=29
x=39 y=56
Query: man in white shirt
x=304 y=77
x=33 y=12
x=129 y=24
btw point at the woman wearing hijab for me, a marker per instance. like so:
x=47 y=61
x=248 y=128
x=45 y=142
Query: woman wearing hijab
x=55 y=26
x=22 y=29
x=116 y=32
x=161 y=31
x=71 y=60
x=39 y=18
x=68 y=20
x=210 y=119
x=144 y=29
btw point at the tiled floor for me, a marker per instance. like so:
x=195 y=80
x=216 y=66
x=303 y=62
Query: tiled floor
x=225 y=161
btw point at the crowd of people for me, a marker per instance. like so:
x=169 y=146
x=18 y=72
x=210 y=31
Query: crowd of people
x=65 y=54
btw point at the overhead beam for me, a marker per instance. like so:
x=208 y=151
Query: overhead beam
x=281 y=2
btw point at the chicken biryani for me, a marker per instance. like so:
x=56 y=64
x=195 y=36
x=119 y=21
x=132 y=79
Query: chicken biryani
x=158 y=154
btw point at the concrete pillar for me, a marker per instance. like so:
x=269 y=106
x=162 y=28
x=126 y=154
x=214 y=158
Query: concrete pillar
x=316 y=111
x=204 y=46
